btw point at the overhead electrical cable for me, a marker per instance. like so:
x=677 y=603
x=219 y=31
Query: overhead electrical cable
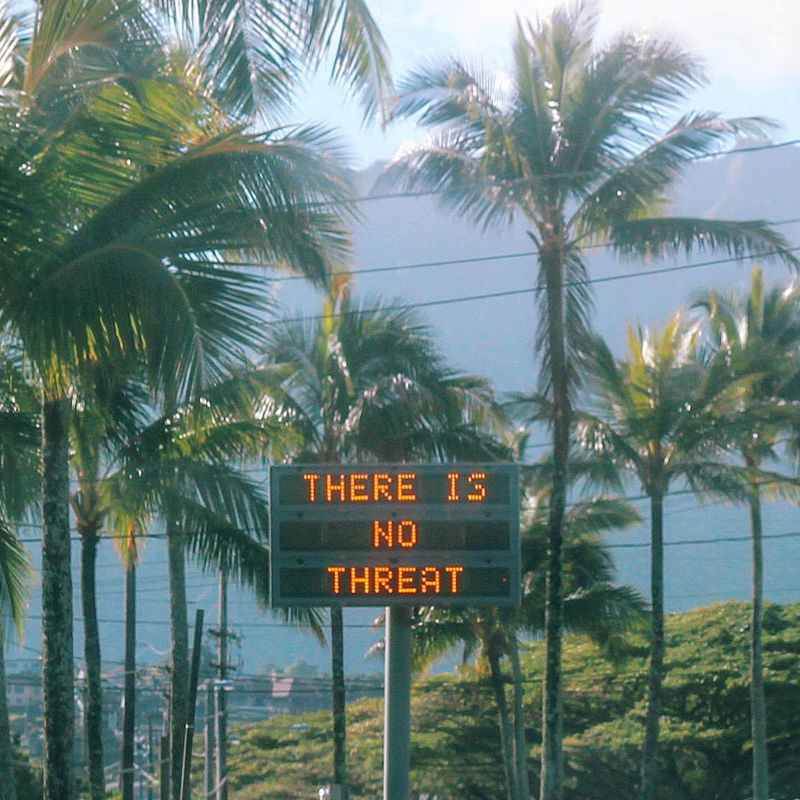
x=460 y=261
x=540 y=287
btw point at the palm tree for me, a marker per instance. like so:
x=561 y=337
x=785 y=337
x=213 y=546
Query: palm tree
x=123 y=185
x=97 y=424
x=577 y=147
x=89 y=513
x=662 y=416
x=358 y=383
x=757 y=334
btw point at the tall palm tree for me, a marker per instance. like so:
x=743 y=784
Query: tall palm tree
x=367 y=382
x=98 y=420
x=89 y=513
x=577 y=146
x=124 y=185
x=662 y=415
x=758 y=333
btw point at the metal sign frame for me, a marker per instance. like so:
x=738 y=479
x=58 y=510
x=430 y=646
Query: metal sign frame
x=394 y=534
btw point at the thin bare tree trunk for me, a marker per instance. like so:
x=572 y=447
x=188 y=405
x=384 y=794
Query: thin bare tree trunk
x=758 y=711
x=58 y=683
x=656 y=671
x=91 y=649
x=520 y=742
x=179 y=653
x=8 y=786
x=552 y=775
x=504 y=722
x=339 y=699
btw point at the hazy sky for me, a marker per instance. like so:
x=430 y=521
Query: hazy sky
x=750 y=50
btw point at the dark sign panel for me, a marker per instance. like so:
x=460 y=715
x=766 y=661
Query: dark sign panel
x=400 y=534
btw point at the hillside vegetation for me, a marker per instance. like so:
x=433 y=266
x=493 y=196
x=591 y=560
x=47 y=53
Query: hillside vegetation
x=456 y=756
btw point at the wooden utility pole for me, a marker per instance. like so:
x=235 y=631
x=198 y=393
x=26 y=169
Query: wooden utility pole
x=129 y=686
x=222 y=698
x=188 y=739
x=164 y=771
x=211 y=740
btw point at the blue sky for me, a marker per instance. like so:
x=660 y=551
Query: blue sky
x=749 y=48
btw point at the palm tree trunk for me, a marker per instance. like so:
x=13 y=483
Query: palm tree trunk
x=91 y=650
x=129 y=686
x=656 y=671
x=338 y=698
x=58 y=683
x=179 y=653
x=758 y=713
x=8 y=786
x=552 y=772
x=504 y=721
x=520 y=743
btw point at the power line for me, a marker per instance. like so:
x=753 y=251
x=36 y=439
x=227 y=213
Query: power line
x=166 y=622
x=541 y=287
x=710 y=540
x=460 y=261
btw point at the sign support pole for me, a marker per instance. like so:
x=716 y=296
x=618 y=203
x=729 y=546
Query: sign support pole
x=397 y=704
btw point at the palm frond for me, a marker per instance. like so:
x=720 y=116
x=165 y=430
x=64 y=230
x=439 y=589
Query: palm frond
x=449 y=92
x=607 y=614
x=578 y=306
x=626 y=86
x=16 y=573
x=448 y=167
x=667 y=236
x=168 y=239
x=632 y=179
x=255 y=52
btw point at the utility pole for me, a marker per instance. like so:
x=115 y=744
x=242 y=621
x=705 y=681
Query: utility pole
x=164 y=771
x=222 y=683
x=151 y=758
x=129 y=685
x=210 y=761
x=188 y=738
x=222 y=699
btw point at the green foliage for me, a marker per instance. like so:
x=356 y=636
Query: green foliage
x=705 y=731
x=27 y=775
x=705 y=745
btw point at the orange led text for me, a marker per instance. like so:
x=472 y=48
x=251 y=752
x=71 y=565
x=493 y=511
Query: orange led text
x=475 y=488
x=395 y=580
x=361 y=487
x=391 y=534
